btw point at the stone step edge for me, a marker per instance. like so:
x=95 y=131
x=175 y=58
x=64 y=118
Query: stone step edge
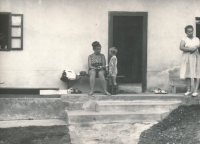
x=125 y=117
x=136 y=104
x=27 y=123
x=124 y=95
x=88 y=113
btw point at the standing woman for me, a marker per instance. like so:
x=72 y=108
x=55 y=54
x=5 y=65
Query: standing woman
x=190 y=60
x=96 y=64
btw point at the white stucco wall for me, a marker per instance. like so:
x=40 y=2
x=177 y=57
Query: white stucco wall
x=58 y=35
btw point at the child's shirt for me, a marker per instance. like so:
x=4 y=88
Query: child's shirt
x=113 y=66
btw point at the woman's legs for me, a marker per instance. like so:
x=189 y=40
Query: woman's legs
x=103 y=81
x=92 y=74
x=188 y=84
x=196 y=84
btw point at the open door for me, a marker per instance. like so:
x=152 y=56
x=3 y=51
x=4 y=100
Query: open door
x=128 y=33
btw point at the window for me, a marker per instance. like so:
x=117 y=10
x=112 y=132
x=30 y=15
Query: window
x=11 y=31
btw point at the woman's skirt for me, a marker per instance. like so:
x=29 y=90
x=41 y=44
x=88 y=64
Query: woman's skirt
x=190 y=65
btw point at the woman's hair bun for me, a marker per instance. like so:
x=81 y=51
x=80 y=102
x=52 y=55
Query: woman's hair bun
x=95 y=44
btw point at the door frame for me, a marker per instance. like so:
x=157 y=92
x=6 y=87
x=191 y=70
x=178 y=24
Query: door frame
x=144 y=15
x=8 y=32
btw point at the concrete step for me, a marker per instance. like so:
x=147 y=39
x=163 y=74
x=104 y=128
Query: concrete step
x=79 y=101
x=31 y=108
x=28 y=96
x=26 y=123
x=81 y=116
x=124 y=97
x=136 y=106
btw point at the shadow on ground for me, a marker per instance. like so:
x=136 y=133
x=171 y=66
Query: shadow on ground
x=35 y=135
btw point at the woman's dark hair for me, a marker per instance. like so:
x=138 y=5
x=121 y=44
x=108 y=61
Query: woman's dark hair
x=95 y=44
x=187 y=27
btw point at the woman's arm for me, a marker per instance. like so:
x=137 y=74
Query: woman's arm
x=103 y=60
x=186 y=49
x=90 y=64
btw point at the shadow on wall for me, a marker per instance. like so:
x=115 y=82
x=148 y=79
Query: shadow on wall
x=175 y=71
x=160 y=79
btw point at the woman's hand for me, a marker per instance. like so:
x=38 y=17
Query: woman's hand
x=184 y=48
x=193 y=49
x=100 y=67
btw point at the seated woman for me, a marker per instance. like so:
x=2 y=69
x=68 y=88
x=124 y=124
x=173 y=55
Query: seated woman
x=96 y=64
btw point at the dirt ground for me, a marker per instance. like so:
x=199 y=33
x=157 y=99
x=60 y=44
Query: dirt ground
x=35 y=135
x=113 y=133
x=182 y=126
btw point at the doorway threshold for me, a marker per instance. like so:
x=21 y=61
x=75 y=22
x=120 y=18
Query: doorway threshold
x=130 y=87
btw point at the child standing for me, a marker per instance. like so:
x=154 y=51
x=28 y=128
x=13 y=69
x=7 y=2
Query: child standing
x=113 y=70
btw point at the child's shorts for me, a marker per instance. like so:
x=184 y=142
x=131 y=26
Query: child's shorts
x=114 y=74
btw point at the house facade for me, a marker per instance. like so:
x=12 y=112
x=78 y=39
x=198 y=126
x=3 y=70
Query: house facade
x=57 y=35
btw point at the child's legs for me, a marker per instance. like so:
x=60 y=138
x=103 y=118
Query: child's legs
x=109 y=80
x=113 y=77
x=115 y=87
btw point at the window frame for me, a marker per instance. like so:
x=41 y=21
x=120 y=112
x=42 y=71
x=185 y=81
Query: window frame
x=16 y=26
x=9 y=31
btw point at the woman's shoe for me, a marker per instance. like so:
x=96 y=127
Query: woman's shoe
x=156 y=90
x=187 y=93
x=195 y=94
x=107 y=93
x=90 y=94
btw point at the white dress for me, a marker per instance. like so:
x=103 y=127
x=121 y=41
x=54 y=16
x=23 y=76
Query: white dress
x=190 y=63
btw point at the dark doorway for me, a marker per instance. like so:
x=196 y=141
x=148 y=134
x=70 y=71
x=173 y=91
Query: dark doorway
x=127 y=38
x=128 y=33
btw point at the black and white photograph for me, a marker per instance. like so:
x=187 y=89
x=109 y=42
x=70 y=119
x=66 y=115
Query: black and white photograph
x=99 y=71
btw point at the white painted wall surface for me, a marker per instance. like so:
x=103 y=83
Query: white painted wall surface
x=58 y=35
